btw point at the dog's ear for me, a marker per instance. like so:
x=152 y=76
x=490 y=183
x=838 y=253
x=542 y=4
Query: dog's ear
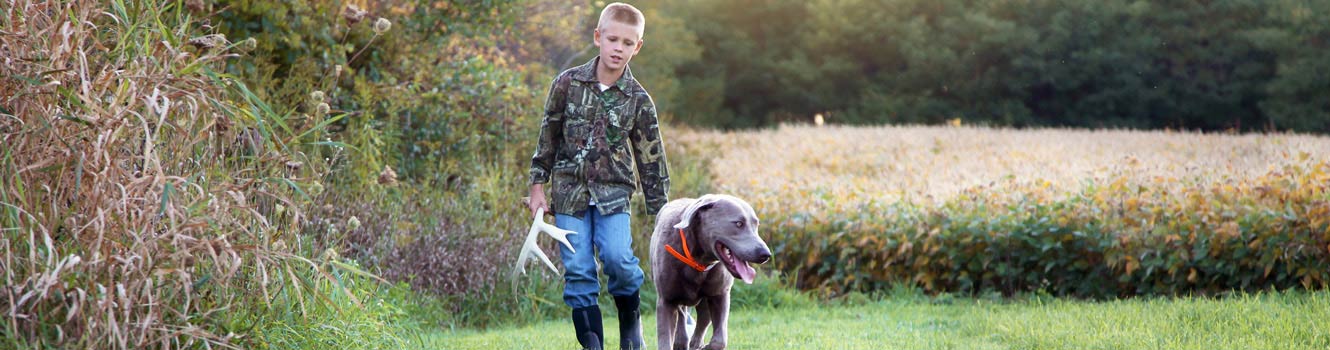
x=697 y=206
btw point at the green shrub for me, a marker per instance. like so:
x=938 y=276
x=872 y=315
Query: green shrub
x=437 y=140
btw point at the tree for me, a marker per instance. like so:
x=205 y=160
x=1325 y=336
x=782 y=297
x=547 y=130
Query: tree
x=1299 y=93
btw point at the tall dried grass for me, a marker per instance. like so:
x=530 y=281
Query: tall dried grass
x=146 y=201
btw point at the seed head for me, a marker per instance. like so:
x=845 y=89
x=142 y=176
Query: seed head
x=210 y=41
x=382 y=25
x=352 y=223
x=249 y=45
x=353 y=14
x=387 y=176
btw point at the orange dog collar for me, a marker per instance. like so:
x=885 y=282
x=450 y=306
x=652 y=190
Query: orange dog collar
x=687 y=256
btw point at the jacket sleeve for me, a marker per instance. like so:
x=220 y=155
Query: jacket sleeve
x=649 y=149
x=551 y=130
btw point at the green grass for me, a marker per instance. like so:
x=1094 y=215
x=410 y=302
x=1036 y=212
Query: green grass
x=1259 y=321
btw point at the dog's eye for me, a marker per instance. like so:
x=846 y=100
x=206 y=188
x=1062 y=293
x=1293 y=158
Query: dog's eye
x=739 y=224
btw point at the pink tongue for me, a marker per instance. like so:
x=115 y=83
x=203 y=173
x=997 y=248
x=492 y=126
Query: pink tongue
x=745 y=272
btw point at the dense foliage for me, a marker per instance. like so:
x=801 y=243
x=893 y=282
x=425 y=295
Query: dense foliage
x=192 y=172
x=1212 y=65
x=149 y=199
x=436 y=115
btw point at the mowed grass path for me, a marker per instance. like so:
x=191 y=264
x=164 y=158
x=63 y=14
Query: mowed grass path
x=1263 y=321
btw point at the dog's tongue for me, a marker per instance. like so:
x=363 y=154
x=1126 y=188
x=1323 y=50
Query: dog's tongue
x=745 y=272
x=738 y=266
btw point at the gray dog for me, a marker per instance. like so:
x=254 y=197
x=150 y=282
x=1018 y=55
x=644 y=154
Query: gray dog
x=697 y=249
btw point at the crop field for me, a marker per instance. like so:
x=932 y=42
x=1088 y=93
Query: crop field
x=804 y=167
x=1074 y=212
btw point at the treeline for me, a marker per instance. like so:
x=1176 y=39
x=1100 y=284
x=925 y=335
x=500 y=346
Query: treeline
x=1210 y=65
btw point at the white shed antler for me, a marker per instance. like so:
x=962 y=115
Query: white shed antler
x=529 y=248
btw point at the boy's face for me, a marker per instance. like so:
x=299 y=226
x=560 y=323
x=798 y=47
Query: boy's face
x=618 y=43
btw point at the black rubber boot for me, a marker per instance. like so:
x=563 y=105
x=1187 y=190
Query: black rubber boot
x=630 y=325
x=590 y=333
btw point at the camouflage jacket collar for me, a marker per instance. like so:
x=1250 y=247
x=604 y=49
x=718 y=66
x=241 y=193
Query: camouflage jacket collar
x=626 y=83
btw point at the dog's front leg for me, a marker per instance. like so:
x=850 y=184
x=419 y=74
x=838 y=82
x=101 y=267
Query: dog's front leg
x=703 y=319
x=666 y=314
x=719 y=306
x=681 y=328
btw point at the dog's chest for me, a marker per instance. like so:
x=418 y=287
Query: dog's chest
x=692 y=289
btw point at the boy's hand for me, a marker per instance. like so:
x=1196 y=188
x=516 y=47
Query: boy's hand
x=537 y=199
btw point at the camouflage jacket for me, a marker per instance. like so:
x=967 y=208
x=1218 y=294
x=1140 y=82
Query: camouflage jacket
x=590 y=141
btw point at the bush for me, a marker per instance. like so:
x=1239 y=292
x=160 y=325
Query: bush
x=438 y=131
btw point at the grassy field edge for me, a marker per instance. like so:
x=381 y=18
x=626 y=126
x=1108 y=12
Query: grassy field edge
x=1265 y=320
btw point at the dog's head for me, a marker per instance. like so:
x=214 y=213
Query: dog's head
x=726 y=227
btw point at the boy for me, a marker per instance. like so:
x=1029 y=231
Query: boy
x=594 y=115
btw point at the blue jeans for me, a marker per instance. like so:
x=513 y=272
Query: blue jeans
x=613 y=240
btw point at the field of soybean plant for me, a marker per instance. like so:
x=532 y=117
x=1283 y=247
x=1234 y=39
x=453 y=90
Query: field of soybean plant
x=1098 y=214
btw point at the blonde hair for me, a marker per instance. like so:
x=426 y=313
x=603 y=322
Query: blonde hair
x=622 y=13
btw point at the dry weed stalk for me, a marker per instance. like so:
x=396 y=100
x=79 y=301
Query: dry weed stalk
x=128 y=217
